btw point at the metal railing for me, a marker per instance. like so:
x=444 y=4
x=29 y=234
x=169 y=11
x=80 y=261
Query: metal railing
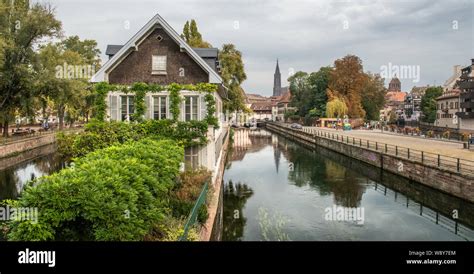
x=201 y=200
x=13 y=139
x=449 y=163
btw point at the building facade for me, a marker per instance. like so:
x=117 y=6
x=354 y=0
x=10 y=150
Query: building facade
x=466 y=97
x=158 y=55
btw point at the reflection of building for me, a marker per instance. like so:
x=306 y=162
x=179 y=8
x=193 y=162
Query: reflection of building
x=248 y=141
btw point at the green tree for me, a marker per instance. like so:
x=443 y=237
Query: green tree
x=233 y=74
x=309 y=92
x=336 y=108
x=192 y=35
x=428 y=104
x=22 y=25
x=373 y=96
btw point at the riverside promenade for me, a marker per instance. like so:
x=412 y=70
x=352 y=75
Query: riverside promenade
x=436 y=146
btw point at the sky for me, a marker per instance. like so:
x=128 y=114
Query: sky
x=422 y=38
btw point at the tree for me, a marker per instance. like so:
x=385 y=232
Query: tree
x=428 y=104
x=309 y=92
x=336 y=108
x=22 y=26
x=233 y=74
x=373 y=96
x=192 y=35
x=346 y=82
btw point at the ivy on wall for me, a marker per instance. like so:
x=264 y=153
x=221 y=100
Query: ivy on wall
x=140 y=89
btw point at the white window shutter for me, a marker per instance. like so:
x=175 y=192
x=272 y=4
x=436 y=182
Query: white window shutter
x=148 y=107
x=114 y=107
x=203 y=105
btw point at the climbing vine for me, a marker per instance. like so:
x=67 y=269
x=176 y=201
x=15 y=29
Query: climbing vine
x=140 y=89
x=175 y=100
x=100 y=106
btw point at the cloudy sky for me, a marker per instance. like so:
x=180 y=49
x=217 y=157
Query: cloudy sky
x=432 y=35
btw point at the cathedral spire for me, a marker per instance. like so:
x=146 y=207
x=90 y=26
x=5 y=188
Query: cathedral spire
x=277 y=81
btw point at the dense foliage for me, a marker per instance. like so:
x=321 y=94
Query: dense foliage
x=117 y=193
x=99 y=135
x=309 y=92
x=428 y=104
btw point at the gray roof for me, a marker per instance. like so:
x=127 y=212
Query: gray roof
x=112 y=49
x=206 y=52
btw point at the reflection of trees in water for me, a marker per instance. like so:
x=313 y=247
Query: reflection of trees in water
x=8 y=183
x=325 y=175
x=343 y=183
x=235 y=198
x=13 y=180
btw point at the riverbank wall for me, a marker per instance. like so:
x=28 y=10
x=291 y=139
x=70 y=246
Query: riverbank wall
x=448 y=181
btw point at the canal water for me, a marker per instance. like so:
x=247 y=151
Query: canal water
x=278 y=190
x=17 y=171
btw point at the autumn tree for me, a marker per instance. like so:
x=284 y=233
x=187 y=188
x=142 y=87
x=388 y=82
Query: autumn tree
x=346 y=82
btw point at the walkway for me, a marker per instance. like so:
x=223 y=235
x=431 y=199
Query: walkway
x=452 y=149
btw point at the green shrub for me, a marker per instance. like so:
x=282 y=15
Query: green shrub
x=98 y=135
x=117 y=193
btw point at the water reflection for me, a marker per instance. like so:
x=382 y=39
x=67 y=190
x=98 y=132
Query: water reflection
x=298 y=183
x=22 y=170
x=235 y=197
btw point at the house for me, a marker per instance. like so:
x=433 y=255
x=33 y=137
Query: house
x=394 y=100
x=157 y=54
x=412 y=104
x=466 y=98
x=447 y=105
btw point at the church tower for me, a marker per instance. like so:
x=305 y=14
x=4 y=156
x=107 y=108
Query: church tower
x=395 y=85
x=277 y=81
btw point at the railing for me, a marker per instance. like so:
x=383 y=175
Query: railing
x=12 y=139
x=194 y=212
x=452 y=164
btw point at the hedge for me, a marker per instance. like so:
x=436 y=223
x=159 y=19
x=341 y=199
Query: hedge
x=116 y=193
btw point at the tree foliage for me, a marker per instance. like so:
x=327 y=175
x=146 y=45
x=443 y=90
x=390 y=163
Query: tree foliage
x=346 y=82
x=192 y=35
x=428 y=104
x=23 y=25
x=233 y=75
x=373 y=96
x=309 y=92
x=336 y=108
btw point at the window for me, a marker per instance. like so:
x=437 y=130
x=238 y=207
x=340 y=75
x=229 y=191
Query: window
x=160 y=107
x=457 y=105
x=191 y=157
x=191 y=108
x=158 y=65
x=128 y=108
x=451 y=105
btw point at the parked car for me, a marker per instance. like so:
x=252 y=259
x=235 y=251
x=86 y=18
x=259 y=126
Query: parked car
x=296 y=126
